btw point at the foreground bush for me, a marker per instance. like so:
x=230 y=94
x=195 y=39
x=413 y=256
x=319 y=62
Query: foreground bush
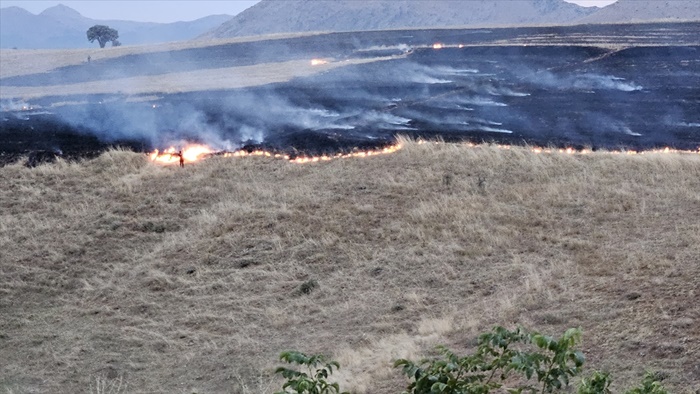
x=517 y=361
x=649 y=385
x=313 y=382
x=500 y=355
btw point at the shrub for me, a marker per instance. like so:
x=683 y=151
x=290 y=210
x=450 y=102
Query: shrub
x=307 y=287
x=499 y=355
x=313 y=382
x=649 y=385
x=596 y=384
x=502 y=357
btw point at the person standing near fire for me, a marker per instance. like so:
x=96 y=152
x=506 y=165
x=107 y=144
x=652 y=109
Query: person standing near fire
x=182 y=159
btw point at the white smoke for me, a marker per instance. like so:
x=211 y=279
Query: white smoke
x=17 y=105
x=384 y=117
x=584 y=82
x=248 y=133
x=427 y=79
x=496 y=130
x=686 y=124
x=446 y=70
x=477 y=100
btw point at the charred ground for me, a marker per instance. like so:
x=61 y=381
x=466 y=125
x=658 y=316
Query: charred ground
x=611 y=86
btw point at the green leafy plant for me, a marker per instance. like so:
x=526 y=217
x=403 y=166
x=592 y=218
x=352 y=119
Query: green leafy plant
x=476 y=373
x=597 y=383
x=517 y=361
x=500 y=354
x=557 y=361
x=650 y=385
x=314 y=380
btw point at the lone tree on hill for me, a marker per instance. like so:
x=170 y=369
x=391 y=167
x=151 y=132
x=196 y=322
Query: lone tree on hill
x=103 y=34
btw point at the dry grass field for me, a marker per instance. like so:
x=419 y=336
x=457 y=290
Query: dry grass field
x=189 y=81
x=168 y=280
x=14 y=62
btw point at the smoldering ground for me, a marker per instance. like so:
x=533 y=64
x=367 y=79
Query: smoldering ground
x=576 y=95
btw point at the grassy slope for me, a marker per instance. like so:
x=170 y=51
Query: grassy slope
x=188 y=280
x=25 y=62
x=15 y=62
x=190 y=81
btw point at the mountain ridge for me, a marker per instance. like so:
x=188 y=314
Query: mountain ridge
x=645 y=11
x=61 y=27
x=270 y=16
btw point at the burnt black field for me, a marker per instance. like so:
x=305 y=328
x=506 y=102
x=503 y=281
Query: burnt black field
x=613 y=87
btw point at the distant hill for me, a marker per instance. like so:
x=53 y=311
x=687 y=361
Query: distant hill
x=646 y=10
x=273 y=16
x=64 y=27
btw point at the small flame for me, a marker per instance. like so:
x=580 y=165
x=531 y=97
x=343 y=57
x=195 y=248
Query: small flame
x=318 y=62
x=665 y=150
x=572 y=151
x=438 y=45
x=242 y=153
x=189 y=153
x=367 y=153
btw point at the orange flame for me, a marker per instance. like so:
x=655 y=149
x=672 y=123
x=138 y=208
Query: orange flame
x=242 y=153
x=197 y=152
x=438 y=45
x=318 y=62
x=572 y=151
x=189 y=153
x=367 y=153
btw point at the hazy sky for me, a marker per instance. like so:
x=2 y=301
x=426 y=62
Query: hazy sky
x=167 y=11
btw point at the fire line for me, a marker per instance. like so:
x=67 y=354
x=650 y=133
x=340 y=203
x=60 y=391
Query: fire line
x=193 y=153
x=197 y=152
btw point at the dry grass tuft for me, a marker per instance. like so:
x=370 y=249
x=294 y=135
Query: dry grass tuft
x=190 y=279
